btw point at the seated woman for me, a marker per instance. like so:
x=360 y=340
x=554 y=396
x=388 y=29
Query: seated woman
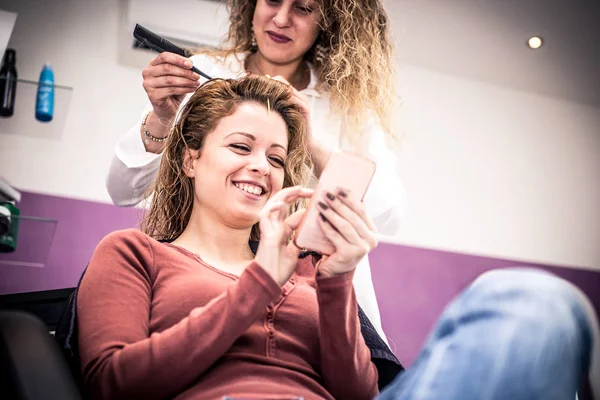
x=188 y=309
x=203 y=316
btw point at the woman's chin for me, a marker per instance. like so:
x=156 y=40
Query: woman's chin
x=244 y=219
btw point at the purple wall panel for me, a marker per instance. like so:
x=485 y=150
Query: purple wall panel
x=414 y=285
x=81 y=226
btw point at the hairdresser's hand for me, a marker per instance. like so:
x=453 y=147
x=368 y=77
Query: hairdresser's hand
x=277 y=254
x=301 y=101
x=346 y=224
x=319 y=151
x=167 y=79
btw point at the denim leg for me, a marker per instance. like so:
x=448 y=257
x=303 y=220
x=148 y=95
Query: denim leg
x=517 y=334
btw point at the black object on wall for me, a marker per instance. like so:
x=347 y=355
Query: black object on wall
x=8 y=83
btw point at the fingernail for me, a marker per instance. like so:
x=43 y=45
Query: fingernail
x=330 y=196
x=188 y=64
x=322 y=217
x=342 y=193
x=323 y=205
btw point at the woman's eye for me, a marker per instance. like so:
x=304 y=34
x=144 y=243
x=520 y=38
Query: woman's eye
x=304 y=10
x=241 y=147
x=278 y=161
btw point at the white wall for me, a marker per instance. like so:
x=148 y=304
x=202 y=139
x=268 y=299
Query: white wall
x=487 y=170
x=498 y=172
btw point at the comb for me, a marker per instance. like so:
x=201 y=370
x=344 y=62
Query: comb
x=160 y=44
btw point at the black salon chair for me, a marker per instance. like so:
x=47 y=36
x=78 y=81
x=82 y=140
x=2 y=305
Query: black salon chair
x=31 y=364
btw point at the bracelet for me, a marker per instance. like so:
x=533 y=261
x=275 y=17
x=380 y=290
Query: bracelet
x=147 y=134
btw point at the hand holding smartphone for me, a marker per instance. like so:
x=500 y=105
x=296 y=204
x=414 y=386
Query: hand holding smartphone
x=343 y=170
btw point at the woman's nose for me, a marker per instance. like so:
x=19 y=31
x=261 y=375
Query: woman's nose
x=283 y=17
x=260 y=166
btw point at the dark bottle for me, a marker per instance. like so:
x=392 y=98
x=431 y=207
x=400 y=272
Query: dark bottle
x=8 y=83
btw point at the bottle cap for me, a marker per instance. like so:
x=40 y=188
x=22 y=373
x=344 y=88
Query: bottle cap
x=10 y=56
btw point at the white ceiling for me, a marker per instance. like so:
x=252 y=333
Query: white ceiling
x=486 y=40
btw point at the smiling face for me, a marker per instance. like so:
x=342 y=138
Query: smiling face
x=285 y=29
x=240 y=166
x=224 y=156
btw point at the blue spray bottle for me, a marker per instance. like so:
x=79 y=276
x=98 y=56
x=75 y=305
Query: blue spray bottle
x=44 y=104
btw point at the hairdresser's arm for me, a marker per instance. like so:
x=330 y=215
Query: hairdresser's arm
x=120 y=357
x=385 y=198
x=132 y=169
x=166 y=82
x=168 y=78
x=320 y=155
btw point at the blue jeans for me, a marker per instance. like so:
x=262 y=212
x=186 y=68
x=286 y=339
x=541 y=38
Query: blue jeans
x=516 y=334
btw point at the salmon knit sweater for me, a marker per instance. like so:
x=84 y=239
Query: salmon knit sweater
x=156 y=322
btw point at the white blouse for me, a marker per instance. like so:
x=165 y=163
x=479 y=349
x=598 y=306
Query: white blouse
x=133 y=169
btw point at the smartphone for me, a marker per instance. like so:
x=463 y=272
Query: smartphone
x=343 y=170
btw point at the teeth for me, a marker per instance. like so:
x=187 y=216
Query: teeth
x=249 y=188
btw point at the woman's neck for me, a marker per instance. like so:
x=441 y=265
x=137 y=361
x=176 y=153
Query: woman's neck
x=296 y=73
x=216 y=243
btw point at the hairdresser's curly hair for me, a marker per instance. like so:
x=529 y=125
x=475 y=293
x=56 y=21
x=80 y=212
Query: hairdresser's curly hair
x=358 y=70
x=173 y=191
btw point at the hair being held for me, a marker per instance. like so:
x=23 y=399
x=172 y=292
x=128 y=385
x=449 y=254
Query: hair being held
x=173 y=191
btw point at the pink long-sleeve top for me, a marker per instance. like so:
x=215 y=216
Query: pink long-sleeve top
x=156 y=322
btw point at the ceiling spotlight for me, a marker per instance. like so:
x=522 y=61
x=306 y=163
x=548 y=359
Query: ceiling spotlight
x=535 y=42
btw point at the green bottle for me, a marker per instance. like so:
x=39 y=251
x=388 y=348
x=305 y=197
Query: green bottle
x=8 y=241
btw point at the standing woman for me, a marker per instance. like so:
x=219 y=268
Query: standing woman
x=337 y=57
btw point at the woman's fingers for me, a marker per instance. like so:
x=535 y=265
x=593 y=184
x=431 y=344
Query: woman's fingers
x=344 y=248
x=278 y=206
x=339 y=241
x=172 y=58
x=293 y=221
x=340 y=223
x=157 y=95
x=345 y=215
x=278 y=211
x=346 y=197
x=296 y=95
x=169 y=70
x=291 y=194
x=169 y=81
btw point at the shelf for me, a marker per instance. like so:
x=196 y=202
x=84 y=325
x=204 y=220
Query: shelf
x=34 y=240
x=23 y=121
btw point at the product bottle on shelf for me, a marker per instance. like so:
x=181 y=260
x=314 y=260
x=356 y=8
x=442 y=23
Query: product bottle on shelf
x=9 y=216
x=44 y=104
x=8 y=83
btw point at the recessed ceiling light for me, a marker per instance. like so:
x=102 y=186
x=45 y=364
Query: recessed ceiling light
x=535 y=42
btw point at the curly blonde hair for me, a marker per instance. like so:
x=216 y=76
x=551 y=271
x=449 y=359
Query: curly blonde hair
x=358 y=69
x=173 y=191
